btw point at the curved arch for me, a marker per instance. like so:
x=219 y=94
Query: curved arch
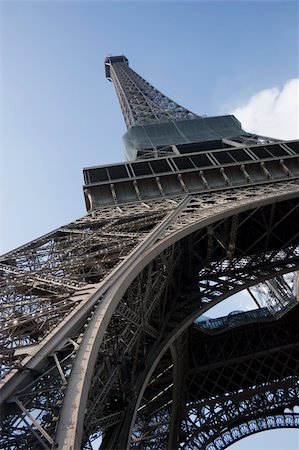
x=225 y=411
x=253 y=426
x=76 y=395
x=155 y=356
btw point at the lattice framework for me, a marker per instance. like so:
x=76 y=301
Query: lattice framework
x=97 y=317
x=141 y=103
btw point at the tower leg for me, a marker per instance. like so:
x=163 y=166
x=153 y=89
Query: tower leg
x=179 y=356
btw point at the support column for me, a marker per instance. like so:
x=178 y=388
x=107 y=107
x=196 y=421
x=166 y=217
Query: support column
x=179 y=351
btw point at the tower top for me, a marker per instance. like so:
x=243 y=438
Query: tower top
x=157 y=125
x=111 y=60
x=141 y=103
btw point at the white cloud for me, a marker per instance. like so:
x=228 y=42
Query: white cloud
x=272 y=112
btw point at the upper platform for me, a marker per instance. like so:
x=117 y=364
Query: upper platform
x=191 y=173
x=180 y=136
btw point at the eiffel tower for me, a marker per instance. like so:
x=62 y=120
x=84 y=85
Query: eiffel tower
x=106 y=338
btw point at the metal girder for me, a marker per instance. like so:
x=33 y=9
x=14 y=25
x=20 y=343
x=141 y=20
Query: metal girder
x=238 y=284
x=180 y=362
x=157 y=286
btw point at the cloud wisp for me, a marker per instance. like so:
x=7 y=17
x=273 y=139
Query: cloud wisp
x=272 y=112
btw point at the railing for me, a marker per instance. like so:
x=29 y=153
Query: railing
x=236 y=318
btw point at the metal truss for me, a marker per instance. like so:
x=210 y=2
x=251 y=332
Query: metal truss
x=250 y=139
x=100 y=340
x=252 y=373
x=272 y=303
x=141 y=103
x=47 y=293
x=91 y=311
x=227 y=387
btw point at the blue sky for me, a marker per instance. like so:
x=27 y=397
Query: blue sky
x=59 y=113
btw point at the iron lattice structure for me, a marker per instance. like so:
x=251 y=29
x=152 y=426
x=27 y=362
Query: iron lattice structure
x=141 y=103
x=103 y=344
